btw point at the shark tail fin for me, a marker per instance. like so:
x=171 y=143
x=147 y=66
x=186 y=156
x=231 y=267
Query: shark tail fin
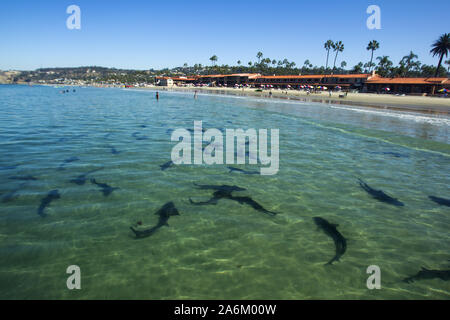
x=134 y=231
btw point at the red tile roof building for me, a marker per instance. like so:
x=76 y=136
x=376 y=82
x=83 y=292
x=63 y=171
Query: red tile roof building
x=362 y=82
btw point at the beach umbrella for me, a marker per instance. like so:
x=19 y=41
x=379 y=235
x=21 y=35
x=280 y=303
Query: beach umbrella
x=443 y=90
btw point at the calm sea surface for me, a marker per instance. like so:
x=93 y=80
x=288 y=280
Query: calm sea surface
x=228 y=250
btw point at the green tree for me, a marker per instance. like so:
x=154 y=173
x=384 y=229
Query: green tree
x=338 y=47
x=358 y=68
x=447 y=62
x=343 y=64
x=214 y=59
x=384 y=66
x=239 y=62
x=259 y=55
x=409 y=64
x=372 y=46
x=328 y=46
x=441 y=48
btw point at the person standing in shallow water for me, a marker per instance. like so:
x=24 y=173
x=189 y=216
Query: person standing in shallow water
x=157 y=95
x=195 y=94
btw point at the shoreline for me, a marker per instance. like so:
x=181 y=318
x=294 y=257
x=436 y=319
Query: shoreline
x=427 y=105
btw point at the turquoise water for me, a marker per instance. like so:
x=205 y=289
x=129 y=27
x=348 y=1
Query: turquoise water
x=230 y=250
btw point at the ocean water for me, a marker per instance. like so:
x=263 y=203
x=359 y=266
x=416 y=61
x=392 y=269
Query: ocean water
x=228 y=250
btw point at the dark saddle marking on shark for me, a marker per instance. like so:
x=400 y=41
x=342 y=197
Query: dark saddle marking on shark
x=440 y=201
x=242 y=171
x=168 y=210
x=339 y=241
x=166 y=165
x=23 y=178
x=81 y=179
x=380 y=195
x=106 y=189
x=45 y=202
x=429 y=274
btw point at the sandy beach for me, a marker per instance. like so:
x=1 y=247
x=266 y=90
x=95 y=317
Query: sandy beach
x=435 y=105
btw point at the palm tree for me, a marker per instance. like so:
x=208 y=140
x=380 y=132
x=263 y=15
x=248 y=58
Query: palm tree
x=259 y=55
x=239 y=62
x=441 y=48
x=343 y=64
x=448 y=62
x=213 y=59
x=373 y=45
x=338 y=47
x=328 y=45
x=274 y=62
x=358 y=68
x=407 y=64
x=384 y=66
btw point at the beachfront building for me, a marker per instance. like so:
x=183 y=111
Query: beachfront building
x=341 y=81
x=412 y=86
x=170 y=81
x=365 y=82
x=227 y=80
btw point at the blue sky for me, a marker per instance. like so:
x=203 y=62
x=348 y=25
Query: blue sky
x=155 y=34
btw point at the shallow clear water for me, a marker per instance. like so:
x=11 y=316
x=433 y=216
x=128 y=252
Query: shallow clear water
x=230 y=250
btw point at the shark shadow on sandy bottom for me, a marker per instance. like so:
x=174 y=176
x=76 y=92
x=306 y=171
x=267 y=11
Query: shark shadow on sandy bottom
x=330 y=229
x=65 y=162
x=380 y=195
x=23 y=178
x=13 y=194
x=82 y=178
x=440 y=201
x=106 y=189
x=227 y=194
x=219 y=188
x=45 y=202
x=166 y=165
x=168 y=210
x=429 y=274
x=242 y=171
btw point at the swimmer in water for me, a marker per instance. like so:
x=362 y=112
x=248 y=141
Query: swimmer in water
x=157 y=95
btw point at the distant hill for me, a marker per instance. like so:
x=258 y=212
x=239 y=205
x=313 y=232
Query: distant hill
x=7 y=77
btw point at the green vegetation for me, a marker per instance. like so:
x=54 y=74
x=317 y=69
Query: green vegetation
x=408 y=66
x=441 y=48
